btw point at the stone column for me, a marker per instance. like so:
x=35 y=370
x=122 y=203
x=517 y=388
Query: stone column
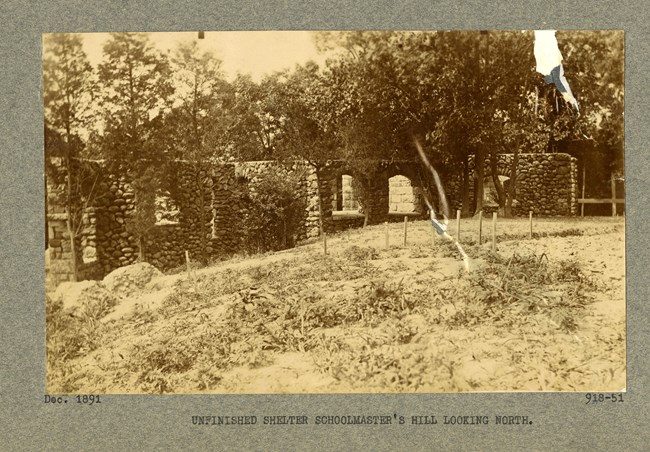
x=377 y=202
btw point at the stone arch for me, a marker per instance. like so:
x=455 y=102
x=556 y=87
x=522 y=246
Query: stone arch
x=408 y=186
x=404 y=196
x=373 y=183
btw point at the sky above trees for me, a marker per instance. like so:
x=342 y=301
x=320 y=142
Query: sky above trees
x=257 y=53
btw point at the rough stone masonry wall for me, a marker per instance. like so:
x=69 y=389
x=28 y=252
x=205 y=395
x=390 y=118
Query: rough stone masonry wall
x=58 y=257
x=205 y=228
x=376 y=189
x=547 y=184
x=209 y=204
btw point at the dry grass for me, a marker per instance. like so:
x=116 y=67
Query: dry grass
x=369 y=319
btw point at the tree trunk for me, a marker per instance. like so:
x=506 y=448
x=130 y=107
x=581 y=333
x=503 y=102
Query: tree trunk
x=141 y=254
x=320 y=202
x=513 y=181
x=70 y=223
x=479 y=158
x=501 y=193
x=479 y=162
x=284 y=233
x=363 y=189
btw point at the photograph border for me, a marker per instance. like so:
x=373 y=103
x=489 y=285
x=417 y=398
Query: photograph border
x=558 y=420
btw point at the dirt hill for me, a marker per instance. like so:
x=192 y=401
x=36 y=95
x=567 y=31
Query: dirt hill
x=540 y=314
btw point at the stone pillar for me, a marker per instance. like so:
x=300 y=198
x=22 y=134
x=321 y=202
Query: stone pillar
x=312 y=220
x=226 y=210
x=58 y=258
x=377 y=199
x=325 y=190
x=58 y=262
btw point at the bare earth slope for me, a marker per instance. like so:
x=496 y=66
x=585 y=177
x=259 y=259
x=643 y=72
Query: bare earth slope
x=541 y=314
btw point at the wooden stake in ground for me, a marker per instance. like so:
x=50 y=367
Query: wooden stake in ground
x=613 y=182
x=530 y=216
x=187 y=264
x=480 y=226
x=406 y=222
x=433 y=236
x=494 y=231
x=458 y=225
x=324 y=243
x=386 y=234
x=582 y=205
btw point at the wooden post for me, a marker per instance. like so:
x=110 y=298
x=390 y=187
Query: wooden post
x=187 y=264
x=324 y=244
x=582 y=206
x=433 y=233
x=406 y=222
x=458 y=225
x=530 y=215
x=613 y=182
x=494 y=231
x=480 y=226
x=386 y=227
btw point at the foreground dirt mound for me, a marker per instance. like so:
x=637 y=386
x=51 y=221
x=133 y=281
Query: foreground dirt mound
x=537 y=315
x=74 y=295
x=125 y=281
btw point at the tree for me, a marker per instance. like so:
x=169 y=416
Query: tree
x=198 y=123
x=67 y=93
x=274 y=208
x=464 y=94
x=303 y=102
x=253 y=128
x=594 y=64
x=136 y=94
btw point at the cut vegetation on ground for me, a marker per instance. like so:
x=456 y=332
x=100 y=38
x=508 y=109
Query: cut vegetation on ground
x=537 y=315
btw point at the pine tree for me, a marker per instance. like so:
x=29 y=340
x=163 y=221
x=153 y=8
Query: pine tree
x=67 y=93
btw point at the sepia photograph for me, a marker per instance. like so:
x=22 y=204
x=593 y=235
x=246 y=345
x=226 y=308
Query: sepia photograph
x=334 y=212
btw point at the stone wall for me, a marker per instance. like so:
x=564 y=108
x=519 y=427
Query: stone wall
x=208 y=225
x=209 y=209
x=546 y=184
x=58 y=256
x=346 y=221
x=376 y=190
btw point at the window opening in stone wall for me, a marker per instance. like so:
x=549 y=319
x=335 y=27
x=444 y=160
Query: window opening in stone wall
x=490 y=194
x=403 y=197
x=167 y=212
x=345 y=198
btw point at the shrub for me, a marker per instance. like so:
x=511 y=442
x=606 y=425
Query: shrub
x=273 y=210
x=356 y=253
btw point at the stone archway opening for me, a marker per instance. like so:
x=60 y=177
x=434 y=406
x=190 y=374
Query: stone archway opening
x=404 y=197
x=490 y=193
x=345 y=196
